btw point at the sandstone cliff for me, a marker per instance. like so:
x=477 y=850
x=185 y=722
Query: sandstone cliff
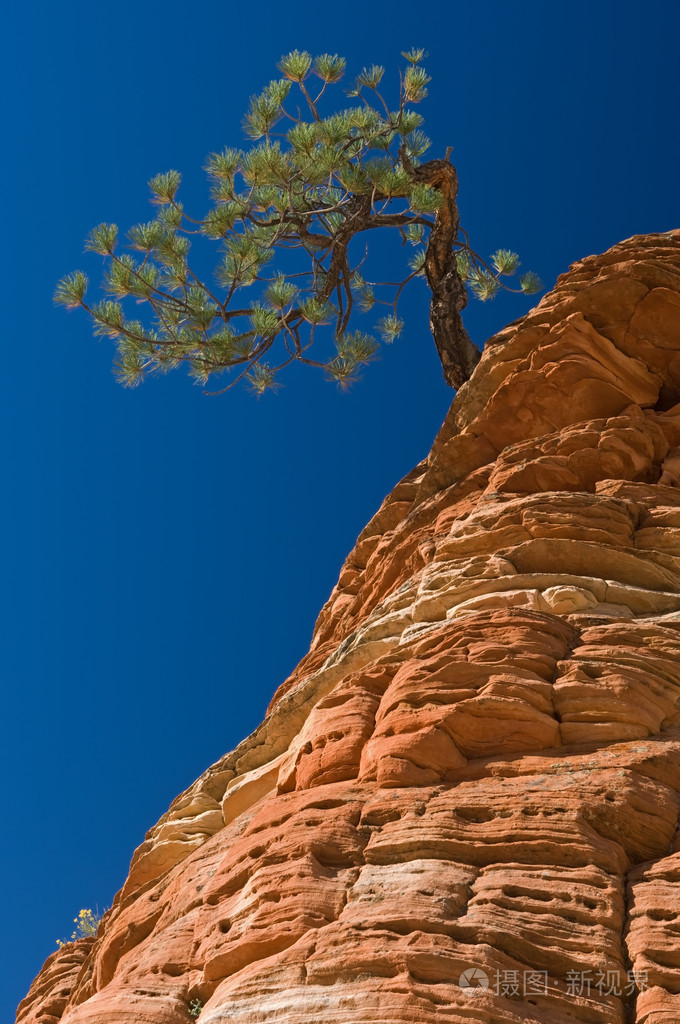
x=477 y=765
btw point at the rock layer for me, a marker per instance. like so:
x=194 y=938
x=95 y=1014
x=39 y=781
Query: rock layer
x=476 y=768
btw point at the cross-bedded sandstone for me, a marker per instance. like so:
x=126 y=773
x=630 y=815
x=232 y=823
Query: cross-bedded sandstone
x=477 y=765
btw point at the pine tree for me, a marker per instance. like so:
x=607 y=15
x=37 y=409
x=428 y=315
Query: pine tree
x=293 y=215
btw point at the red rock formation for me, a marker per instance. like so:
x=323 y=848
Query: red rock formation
x=477 y=765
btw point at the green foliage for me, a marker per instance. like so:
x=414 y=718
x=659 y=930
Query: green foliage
x=261 y=378
x=295 y=65
x=414 y=233
x=354 y=350
x=464 y=264
x=530 y=283
x=366 y=298
x=102 y=239
x=195 y=1007
x=281 y=293
x=417 y=262
x=370 y=77
x=414 y=56
x=416 y=143
x=390 y=327
x=415 y=80
x=266 y=109
x=70 y=291
x=164 y=187
x=504 y=261
x=425 y=199
x=292 y=216
x=483 y=283
x=330 y=68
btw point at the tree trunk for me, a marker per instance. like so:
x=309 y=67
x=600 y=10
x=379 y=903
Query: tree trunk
x=457 y=354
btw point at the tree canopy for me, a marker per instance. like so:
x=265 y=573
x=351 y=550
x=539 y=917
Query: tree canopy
x=293 y=216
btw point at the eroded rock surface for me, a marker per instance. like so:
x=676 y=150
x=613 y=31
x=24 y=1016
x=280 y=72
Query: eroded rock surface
x=477 y=765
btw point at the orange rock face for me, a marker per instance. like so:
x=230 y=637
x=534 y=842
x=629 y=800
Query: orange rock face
x=463 y=805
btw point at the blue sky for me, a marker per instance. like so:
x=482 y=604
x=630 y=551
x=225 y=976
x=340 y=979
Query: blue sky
x=164 y=554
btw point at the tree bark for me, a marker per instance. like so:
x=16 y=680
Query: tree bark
x=457 y=353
